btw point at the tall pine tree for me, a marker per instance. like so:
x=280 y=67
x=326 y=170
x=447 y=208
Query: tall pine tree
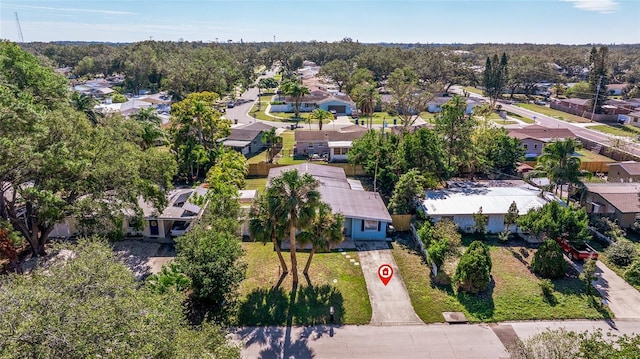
x=598 y=78
x=496 y=76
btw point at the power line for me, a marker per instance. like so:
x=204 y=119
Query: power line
x=19 y=28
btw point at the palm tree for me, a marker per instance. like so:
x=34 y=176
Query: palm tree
x=324 y=232
x=270 y=138
x=367 y=97
x=320 y=115
x=297 y=198
x=199 y=109
x=295 y=90
x=559 y=163
x=266 y=224
x=85 y=104
x=152 y=132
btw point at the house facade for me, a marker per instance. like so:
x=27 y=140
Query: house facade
x=247 y=139
x=334 y=144
x=460 y=203
x=533 y=138
x=435 y=105
x=616 y=201
x=366 y=216
x=175 y=220
x=338 y=103
x=621 y=172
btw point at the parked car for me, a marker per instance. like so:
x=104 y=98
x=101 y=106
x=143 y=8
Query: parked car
x=179 y=228
x=231 y=104
x=539 y=102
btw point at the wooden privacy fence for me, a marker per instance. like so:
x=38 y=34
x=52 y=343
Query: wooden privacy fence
x=593 y=167
x=401 y=222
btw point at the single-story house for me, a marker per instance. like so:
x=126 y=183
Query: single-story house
x=632 y=118
x=247 y=139
x=338 y=103
x=575 y=103
x=616 y=89
x=435 y=105
x=533 y=138
x=616 y=201
x=460 y=203
x=335 y=144
x=366 y=216
x=620 y=172
x=174 y=220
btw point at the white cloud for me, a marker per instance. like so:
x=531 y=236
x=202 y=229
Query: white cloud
x=603 y=6
x=97 y=11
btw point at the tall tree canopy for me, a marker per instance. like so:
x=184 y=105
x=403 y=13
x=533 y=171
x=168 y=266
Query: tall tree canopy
x=598 y=76
x=57 y=165
x=86 y=304
x=496 y=77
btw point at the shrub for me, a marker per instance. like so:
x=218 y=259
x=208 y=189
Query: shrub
x=118 y=98
x=621 y=253
x=438 y=252
x=424 y=233
x=447 y=229
x=473 y=273
x=549 y=261
x=632 y=275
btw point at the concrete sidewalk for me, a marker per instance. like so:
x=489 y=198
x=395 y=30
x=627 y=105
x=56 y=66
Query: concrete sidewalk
x=390 y=304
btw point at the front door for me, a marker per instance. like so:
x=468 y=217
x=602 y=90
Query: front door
x=153 y=227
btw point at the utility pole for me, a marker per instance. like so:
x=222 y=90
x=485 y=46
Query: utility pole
x=595 y=102
x=19 y=28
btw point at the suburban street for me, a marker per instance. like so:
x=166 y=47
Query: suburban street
x=547 y=121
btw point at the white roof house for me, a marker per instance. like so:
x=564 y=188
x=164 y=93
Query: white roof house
x=459 y=204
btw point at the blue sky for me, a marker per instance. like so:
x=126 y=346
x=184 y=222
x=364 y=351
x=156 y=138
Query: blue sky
x=408 y=21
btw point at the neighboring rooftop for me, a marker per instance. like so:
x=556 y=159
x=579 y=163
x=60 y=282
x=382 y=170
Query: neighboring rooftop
x=541 y=133
x=623 y=196
x=330 y=135
x=493 y=200
x=632 y=167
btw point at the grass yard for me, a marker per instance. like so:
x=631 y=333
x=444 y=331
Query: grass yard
x=521 y=118
x=553 y=113
x=500 y=121
x=288 y=141
x=472 y=90
x=617 y=130
x=514 y=293
x=258 y=183
x=261 y=304
x=589 y=156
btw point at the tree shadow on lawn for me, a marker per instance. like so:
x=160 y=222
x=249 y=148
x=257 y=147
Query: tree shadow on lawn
x=479 y=305
x=572 y=285
x=305 y=305
x=308 y=305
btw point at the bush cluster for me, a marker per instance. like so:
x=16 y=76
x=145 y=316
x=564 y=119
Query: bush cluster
x=473 y=274
x=549 y=261
x=621 y=253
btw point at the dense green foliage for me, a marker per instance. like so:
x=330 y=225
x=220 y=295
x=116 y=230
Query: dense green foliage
x=561 y=343
x=85 y=304
x=408 y=191
x=73 y=164
x=632 y=274
x=473 y=274
x=557 y=221
x=549 y=260
x=622 y=252
x=495 y=77
x=560 y=164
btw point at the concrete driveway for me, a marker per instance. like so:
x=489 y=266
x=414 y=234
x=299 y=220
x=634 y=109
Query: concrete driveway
x=390 y=304
x=622 y=298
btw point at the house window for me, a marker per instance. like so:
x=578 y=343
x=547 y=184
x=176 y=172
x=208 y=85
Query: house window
x=635 y=119
x=525 y=146
x=535 y=146
x=320 y=144
x=369 y=225
x=340 y=151
x=310 y=146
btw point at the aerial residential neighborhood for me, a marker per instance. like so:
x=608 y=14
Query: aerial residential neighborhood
x=257 y=180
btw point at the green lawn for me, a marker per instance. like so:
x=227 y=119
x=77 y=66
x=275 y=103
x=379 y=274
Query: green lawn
x=500 y=121
x=288 y=141
x=521 y=118
x=588 y=156
x=513 y=295
x=258 y=183
x=472 y=90
x=553 y=113
x=335 y=282
x=617 y=130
